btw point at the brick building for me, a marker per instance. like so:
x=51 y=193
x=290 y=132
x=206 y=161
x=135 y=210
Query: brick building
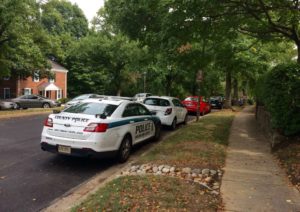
x=54 y=87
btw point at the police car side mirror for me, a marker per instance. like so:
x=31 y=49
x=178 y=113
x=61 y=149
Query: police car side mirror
x=56 y=111
x=153 y=113
x=101 y=116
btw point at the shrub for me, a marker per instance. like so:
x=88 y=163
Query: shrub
x=279 y=91
x=63 y=100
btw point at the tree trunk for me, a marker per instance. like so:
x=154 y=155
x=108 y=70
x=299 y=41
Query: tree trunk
x=235 y=92
x=119 y=91
x=228 y=90
x=298 y=51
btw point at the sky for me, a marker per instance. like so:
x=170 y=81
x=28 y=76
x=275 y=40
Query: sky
x=89 y=7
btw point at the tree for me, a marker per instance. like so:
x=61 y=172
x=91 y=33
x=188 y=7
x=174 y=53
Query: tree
x=22 y=38
x=65 y=23
x=104 y=63
x=265 y=19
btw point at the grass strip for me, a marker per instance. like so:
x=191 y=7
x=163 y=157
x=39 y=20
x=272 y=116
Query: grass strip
x=198 y=145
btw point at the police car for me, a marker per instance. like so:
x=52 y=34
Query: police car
x=95 y=127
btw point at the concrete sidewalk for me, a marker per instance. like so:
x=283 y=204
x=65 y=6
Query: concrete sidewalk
x=253 y=181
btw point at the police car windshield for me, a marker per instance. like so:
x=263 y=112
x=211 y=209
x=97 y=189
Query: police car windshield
x=92 y=108
x=157 y=102
x=82 y=97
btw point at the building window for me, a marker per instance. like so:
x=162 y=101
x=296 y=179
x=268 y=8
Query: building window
x=59 y=94
x=6 y=93
x=27 y=91
x=51 y=78
x=36 y=76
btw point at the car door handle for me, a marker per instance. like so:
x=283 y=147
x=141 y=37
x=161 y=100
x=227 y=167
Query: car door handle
x=131 y=122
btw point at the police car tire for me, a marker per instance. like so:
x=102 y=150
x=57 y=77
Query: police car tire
x=157 y=132
x=125 y=146
x=174 y=124
x=185 y=120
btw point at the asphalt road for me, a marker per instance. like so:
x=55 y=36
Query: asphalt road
x=30 y=179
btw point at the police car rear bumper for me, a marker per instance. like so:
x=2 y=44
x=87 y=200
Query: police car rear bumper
x=84 y=152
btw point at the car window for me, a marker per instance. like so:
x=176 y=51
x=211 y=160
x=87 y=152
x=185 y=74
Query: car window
x=143 y=110
x=195 y=99
x=32 y=97
x=92 y=108
x=149 y=94
x=177 y=103
x=131 y=110
x=157 y=102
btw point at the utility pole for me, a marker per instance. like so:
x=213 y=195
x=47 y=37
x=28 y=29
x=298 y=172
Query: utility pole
x=199 y=80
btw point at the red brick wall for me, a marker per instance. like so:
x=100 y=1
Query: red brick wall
x=29 y=83
x=16 y=87
x=11 y=83
x=60 y=81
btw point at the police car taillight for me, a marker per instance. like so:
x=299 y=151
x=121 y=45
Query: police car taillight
x=168 y=111
x=96 y=127
x=48 y=122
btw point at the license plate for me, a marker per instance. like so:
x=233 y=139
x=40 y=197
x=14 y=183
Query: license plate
x=64 y=149
x=213 y=104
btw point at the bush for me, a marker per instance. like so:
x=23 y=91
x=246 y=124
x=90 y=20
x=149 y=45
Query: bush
x=63 y=100
x=250 y=101
x=279 y=91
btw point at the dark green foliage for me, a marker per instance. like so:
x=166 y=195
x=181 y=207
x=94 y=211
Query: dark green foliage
x=279 y=91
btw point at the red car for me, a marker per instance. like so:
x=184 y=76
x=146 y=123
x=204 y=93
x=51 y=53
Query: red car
x=191 y=105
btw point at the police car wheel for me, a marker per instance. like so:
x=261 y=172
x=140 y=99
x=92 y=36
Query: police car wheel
x=174 y=123
x=157 y=132
x=125 y=149
x=185 y=119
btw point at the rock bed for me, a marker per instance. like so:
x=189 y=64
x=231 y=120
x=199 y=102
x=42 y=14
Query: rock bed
x=206 y=178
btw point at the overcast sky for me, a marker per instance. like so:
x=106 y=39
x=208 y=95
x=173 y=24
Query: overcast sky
x=89 y=7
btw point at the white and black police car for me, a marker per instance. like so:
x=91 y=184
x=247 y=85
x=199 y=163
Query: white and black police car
x=101 y=128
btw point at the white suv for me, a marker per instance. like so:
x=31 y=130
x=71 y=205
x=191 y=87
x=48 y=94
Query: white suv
x=169 y=109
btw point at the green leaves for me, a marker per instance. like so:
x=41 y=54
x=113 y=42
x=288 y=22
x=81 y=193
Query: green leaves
x=109 y=64
x=279 y=90
x=21 y=37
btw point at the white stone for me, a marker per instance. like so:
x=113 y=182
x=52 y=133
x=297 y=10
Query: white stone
x=172 y=169
x=186 y=170
x=196 y=171
x=206 y=171
x=213 y=172
x=160 y=167
x=155 y=169
x=165 y=170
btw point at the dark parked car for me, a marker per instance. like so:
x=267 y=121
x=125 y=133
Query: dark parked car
x=34 y=101
x=216 y=102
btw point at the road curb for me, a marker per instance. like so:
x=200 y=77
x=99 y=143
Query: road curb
x=78 y=194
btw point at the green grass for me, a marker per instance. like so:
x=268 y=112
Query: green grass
x=198 y=145
x=149 y=193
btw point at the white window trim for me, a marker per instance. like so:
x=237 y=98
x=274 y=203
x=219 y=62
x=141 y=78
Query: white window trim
x=59 y=94
x=36 y=79
x=4 y=96
x=29 y=89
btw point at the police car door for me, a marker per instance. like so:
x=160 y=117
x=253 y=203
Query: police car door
x=139 y=124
